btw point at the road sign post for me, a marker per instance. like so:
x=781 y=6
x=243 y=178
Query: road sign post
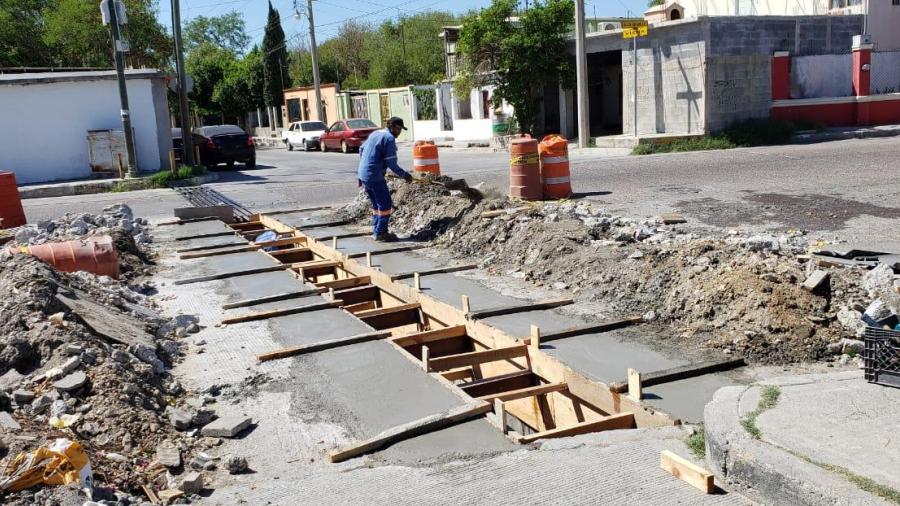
x=632 y=29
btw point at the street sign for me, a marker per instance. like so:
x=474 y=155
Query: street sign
x=631 y=33
x=634 y=23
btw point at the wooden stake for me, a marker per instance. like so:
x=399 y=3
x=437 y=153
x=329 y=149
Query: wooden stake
x=535 y=337
x=331 y=293
x=334 y=243
x=687 y=471
x=368 y=259
x=634 y=385
x=426 y=358
x=417 y=282
x=465 y=305
x=500 y=411
x=300 y=274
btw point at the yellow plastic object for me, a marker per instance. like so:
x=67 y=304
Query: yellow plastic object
x=61 y=463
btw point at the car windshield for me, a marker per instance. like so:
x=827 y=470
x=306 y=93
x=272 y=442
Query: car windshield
x=360 y=123
x=312 y=126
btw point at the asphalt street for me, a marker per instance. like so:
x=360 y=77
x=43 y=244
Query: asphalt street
x=847 y=189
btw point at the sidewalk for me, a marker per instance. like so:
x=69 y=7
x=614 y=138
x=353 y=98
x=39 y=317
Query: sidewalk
x=90 y=186
x=826 y=439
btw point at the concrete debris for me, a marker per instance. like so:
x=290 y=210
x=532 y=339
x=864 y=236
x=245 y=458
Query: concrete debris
x=178 y=418
x=71 y=382
x=9 y=424
x=226 y=426
x=192 y=483
x=816 y=280
x=10 y=380
x=168 y=455
x=23 y=396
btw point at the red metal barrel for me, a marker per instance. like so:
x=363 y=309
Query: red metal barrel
x=11 y=212
x=425 y=158
x=555 y=167
x=524 y=169
x=96 y=255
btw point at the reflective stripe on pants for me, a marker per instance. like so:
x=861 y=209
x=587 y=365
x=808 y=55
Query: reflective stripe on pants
x=380 y=197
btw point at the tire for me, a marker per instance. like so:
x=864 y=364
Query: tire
x=289 y=145
x=305 y=146
x=344 y=147
x=251 y=163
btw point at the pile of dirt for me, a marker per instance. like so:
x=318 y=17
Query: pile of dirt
x=84 y=375
x=733 y=292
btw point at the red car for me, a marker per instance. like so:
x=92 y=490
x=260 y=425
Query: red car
x=347 y=134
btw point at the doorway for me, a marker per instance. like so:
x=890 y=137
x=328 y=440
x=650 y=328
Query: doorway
x=605 y=92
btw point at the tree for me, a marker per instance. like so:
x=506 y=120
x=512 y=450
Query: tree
x=227 y=31
x=208 y=64
x=654 y=3
x=275 y=60
x=21 y=24
x=519 y=56
x=408 y=51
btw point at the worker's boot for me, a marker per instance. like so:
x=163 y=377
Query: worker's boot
x=385 y=237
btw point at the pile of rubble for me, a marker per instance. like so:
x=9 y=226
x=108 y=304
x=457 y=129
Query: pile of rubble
x=728 y=292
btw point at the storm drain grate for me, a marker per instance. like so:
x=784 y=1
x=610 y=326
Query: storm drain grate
x=202 y=196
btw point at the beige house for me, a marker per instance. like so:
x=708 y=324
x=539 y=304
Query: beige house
x=883 y=15
x=300 y=104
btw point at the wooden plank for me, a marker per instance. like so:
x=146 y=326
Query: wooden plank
x=635 y=390
x=358 y=294
x=681 y=372
x=618 y=421
x=520 y=308
x=226 y=275
x=430 y=336
x=524 y=393
x=224 y=213
x=339 y=284
x=501 y=383
x=273 y=298
x=284 y=241
x=316 y=264
x=478 y=357
x=289 y=251
x=204 y=236
x=398 y=249
x=589 y=329
x=458 y=374
x=189 y=220
x=234 y=243
x=323 y=345
x=505 y=212
x=264 y=315
x=388 y=310
x=440 y=270
x=247 y=224
x=362 y=306
x=412 y=429
x=218 y=252
x=687 y=471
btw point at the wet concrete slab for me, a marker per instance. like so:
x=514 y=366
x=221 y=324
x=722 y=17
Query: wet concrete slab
x=199 y=228
x=398 y=263
x=263 y=285
x=308 y=218
x=353 y=245
x=472 y=437
x=686 y=399
x=328 y=232
x=519 y=324
x=206 y=242
x=450 y=288
x=312 y=327
x=272 y=306
x=225 y=264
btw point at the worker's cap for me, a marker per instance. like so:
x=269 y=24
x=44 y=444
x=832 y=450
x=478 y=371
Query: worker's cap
x=395 y=122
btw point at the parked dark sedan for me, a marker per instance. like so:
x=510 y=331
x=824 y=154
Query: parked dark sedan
x=224 y=144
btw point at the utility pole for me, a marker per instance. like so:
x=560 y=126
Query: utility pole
x=584 y=129
x=187 y=139
x=119 y=47
x=315 y=60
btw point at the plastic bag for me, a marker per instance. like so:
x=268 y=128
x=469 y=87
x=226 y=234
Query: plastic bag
x=61 y=463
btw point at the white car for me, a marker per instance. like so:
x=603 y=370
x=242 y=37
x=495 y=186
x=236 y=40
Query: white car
x=303 y=134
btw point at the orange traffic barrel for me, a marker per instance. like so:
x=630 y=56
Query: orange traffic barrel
x=11 y=212
x=425 y=158
x=96 y=255
x=524 y=169
x=555 y=167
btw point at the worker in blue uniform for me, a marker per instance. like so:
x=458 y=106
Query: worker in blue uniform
x=376 y=155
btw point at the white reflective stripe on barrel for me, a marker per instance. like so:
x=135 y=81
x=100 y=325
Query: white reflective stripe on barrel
x=556 y=180
x=422 y=162
x=556 y=159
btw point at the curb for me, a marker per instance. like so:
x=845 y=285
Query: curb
x=763 y=472
x=91 y=187
x=842 y=135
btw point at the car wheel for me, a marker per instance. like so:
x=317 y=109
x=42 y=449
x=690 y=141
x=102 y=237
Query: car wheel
x=344 y=147
x=251 y=163
x=290 y=146
x=306 y=146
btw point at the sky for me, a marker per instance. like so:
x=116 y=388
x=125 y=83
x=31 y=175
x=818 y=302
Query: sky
x=330 y=14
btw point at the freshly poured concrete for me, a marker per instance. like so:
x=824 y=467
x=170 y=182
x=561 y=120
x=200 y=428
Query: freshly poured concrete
x=353 y=245
x=399 y=263
x=199 y=228
x=686 y=399
x=304 y=219
x=263 y=285
x=315 y=326
x=226 y=264
x=326 y=232
x=206 y=242
x=450 y=288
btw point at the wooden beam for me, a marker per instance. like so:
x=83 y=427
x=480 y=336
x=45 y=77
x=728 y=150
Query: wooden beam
x=388 y=310
x=681 y=372
x=412 y=429
x=458 y=374
x=339 y=284
x=505 y=212
x=430 y=336
x=281 y=252
x=322 y=345
x=264 y=315
x=247 y=224
x=426 y=358
x=589 y=329
x=635 y=391
x=358 y=294
x=362 y=306
x=441 y=270
x=234 y=243
x=204 y=236
x=618 y=421
x=218 y=252
x=687 y=471
x=501 y=383
x=519 y=308
x=272 y=298
x=284 y=241
x=398 y=249
x=178 y=221
x=478 y=357
x=524 y=393
x=315 y=264
x=225 y=275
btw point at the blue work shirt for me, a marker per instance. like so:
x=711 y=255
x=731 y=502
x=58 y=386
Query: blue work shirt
x=378 y=154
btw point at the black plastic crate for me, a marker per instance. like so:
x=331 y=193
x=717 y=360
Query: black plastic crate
x=882 y=356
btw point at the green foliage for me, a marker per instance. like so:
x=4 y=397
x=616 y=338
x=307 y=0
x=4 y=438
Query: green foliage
x=227 y=31
x=697 y=442
x=654 y=3
x=275 y=60
x=21 y=25
x=768 y=399
x=208 y=65
x=519 y=57
x=747 y=134
x=426 y=104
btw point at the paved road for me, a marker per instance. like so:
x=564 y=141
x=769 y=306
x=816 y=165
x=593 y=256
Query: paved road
x=847 y=189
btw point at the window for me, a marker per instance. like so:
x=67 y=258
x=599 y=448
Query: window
x=464 y=108
x=337 y=127
x=360 y=123
x=312 y=126
x=485 y=104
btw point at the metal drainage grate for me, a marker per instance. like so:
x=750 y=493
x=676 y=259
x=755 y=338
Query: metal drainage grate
x=202 y=196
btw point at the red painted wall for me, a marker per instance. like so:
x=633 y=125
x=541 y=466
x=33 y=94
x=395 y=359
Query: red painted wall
x=825 y=114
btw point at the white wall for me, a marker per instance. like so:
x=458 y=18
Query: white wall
x=426 y=130
x=694 y=8
x=820 y=76
x=44 y=126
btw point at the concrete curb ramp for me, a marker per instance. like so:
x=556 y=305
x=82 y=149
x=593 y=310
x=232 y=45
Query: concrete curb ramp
x=762 y=471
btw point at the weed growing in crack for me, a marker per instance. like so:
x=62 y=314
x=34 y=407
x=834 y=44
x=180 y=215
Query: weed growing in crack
x=768 y=399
